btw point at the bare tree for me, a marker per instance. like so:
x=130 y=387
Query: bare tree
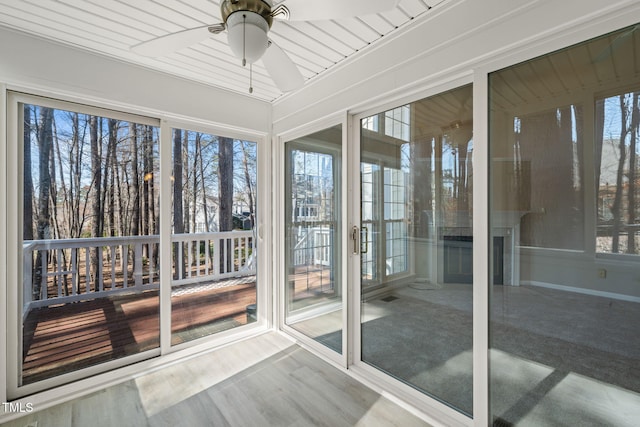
x=178 y=224
x=43 y=231
x=631 y=195
x=135 y=180
x=203 y=190
x=27 y=220
x=616 y=208
x=110 y=175
x=225 y=183
x=248 y=184
x=96 y=185
x=150 y=218
x=194 y=188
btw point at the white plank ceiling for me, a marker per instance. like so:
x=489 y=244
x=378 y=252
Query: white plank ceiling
x=110 y=27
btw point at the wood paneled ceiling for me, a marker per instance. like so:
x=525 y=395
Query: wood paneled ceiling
x=110 y=27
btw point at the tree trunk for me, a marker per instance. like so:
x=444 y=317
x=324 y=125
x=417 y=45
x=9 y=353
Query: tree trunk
x=247 y=180
x=194 y=187
x=45 y=143
x=225 y=183
x=178 y=224
x=96 y=184
x=186 y=195
x=27 y=220
x=59 y=232
x=112 y=126
x=617 y=202
x=135 y=180
x=633 y=161
x=135 y=186
x=153 y=226
x=147 y=172
x=205 y=208
x=599 y=141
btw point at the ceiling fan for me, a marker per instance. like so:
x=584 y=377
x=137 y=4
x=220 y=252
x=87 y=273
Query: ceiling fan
x=247 y=23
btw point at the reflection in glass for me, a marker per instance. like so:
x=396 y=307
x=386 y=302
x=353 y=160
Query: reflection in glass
x=312 y=228
x=90 y=241
x=565 y=349
x=213 y=286
x=416 y=256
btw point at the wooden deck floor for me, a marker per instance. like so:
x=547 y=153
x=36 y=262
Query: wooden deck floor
x=68 y=337
x=60 y=339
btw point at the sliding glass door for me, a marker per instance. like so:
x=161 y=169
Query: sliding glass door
x=565 y=186
x=89 y=239
x=416 y=245
x=105 y=273
x=313 y=238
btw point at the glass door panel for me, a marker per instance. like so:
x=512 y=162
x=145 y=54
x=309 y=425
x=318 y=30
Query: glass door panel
x=90 y=244
x=416 y=317
x=313 y=291
x=564 y=170
x=213 y=287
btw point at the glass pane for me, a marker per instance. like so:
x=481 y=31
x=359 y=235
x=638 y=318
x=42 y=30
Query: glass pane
x=213 y=287
x=416 y=258
x=312 y=226
x=90 y=241
x=617 y=152
x=565 y=349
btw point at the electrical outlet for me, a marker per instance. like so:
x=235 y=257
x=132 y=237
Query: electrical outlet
x=602 y=273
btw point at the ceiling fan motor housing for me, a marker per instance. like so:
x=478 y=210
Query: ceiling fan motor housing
x=262 y=8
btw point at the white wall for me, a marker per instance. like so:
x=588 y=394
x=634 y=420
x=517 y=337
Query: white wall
x=35 y=64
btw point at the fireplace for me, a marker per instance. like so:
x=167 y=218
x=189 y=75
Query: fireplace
x=458 y=259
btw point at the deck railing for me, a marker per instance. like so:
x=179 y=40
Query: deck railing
x=67 y=270
x=312 y=245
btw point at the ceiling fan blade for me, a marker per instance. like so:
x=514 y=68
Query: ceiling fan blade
x=305 y=10
x=283 y=71
x=170 y=43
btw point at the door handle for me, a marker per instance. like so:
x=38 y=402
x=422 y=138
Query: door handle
x=355 y=236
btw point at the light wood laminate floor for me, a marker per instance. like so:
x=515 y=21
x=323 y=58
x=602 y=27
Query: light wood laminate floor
x=262 y=381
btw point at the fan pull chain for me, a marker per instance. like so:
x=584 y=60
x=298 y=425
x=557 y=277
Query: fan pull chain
x=250 y=78
x=244 y=39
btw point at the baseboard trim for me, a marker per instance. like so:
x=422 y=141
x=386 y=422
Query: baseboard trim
x=592 y=292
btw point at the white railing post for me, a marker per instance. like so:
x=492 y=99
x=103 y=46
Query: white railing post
x=75 y=282
x=137 y=268
x=27 y=278
x=43 y=279
x=114 y=255
x=124 y=262
x=100 y=269
x=189 y=258
x=87 y=270
x=217 y=256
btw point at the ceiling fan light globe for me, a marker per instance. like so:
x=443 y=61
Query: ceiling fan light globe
x=247 y=35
